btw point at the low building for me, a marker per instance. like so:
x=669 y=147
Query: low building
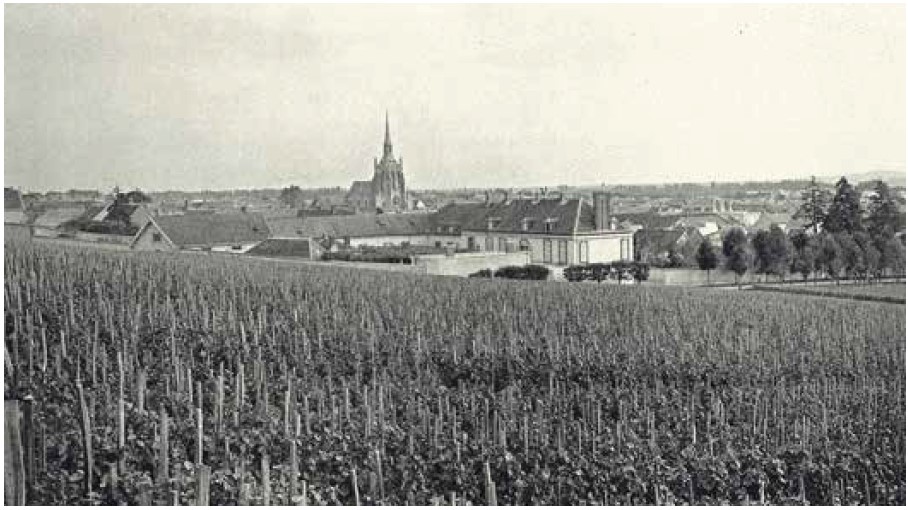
x=669 y=247
x=353 y=231
x=56 y=222
x=228 y=232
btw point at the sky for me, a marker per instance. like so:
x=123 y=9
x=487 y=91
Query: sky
x=250 y=96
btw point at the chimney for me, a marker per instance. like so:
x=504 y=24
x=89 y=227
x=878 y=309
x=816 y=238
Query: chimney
x=602 y=203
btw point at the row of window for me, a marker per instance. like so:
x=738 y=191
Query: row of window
x=554 y=251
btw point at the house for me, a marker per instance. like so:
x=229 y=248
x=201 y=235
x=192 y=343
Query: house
x=13 y=207
x=227 y=232
x=556 y=231
x=767 y=220
x=646 y=220
x=667 y=247
x=57 y=221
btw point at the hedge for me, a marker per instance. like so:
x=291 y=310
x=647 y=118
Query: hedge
x=622 y=270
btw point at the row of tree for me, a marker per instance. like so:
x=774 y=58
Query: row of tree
x=839 y=238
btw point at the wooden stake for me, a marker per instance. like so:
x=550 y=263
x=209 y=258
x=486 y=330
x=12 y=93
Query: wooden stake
x=266 y=480
x=203 y=485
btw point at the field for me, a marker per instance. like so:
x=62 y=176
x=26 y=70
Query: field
x=158 y=374
x=888 y=292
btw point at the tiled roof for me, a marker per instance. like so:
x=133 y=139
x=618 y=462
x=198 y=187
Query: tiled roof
x=55 y=218
x=566 y=216
x=357 y=225
x=213 y=229
x=648 y=220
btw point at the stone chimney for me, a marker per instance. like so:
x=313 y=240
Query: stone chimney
x=602 y=204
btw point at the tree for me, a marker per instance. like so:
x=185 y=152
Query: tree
x=852 y=255
x=892 y=256
x=883 y=211
x=844 y=213
x=814 y=206
x=737 y=254
x=292 y=196
x=869 y=254
x=804 y=253
x=780 y=251
x=707 y=258
x=829 y=255
x=772 y=251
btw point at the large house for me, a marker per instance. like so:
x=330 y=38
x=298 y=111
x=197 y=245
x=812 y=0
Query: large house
x=554 y=231
x=229 y=232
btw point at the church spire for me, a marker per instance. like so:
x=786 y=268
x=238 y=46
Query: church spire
x=388 y=147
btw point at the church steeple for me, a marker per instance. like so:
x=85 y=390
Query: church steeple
x=389 y=149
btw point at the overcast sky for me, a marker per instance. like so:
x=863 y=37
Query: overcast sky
x=226 y=96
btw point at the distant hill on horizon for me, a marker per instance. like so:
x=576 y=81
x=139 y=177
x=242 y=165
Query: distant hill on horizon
x=890 y=177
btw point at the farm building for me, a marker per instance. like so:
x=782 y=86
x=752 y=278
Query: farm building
x=54 y=222
x=229 y=232
x=353 y=231
x=15 y=219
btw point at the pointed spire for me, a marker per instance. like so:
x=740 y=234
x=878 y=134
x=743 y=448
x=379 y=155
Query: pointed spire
x=389 y=149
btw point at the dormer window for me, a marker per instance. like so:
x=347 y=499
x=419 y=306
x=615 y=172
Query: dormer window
x=494 y=222
x=527 y=224
x=550 y=224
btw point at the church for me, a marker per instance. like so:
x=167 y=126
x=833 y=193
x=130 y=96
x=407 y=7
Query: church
x=386 y=192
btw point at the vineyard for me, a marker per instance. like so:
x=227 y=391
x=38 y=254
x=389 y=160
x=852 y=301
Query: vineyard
x=198 y=379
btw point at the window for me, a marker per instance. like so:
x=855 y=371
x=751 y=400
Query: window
x=547 y=251
x=236 y=247
x=494 y=222
x=584 y=256
x=527 y=224
x=549 y=225
x=471 y=243
x=438 y=244
x=156 y=237
x=562 y=252
x=524 y=245
x=502 y=244
x=490 y=244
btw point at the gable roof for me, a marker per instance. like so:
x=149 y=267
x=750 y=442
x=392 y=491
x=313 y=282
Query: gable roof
x=666 y=240
x=55 y=218
x=212 y=229
x=567 y=216
x=767 y=220
x=356 y=225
